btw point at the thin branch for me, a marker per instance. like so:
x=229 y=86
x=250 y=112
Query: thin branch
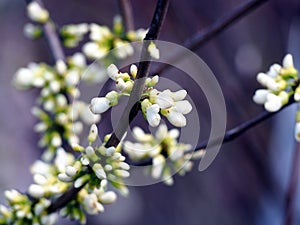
x=132 y=106
x=203 y=36
x=52 y=38
x=292 y=188
x=231 y=134
x=126 y=13
x=143 y=72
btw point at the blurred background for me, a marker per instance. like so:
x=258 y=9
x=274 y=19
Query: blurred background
x=247 y=183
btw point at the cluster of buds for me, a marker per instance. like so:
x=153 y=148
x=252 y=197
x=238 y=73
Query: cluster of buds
x=103 y=40
x=22 y=211
x=59 y=119
x=168 y=156
x=154 y=103
x=279 y=83
x=95 y=170
x=282 y=84
x=74 y=33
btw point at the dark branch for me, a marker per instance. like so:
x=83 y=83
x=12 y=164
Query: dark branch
x=231 y=134
x=201 y=37
x=292 y=188
x=126 y=13
x=143 y=72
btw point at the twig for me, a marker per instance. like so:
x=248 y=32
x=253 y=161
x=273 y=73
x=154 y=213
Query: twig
x=126 y=13
x=292 y=188
x=52 y=38
x=132 y=106
x=231 y=134
x=235 y=132
x=143 y=71
x=201 y=37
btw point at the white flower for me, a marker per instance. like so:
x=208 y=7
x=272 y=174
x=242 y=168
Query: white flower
x=61 y=66
x=183 y=107
x=93 y=133
x=49 y=219
x=39 y=179
x=176 y=118
x=99 y=105
x=108 y=197
x=260 y=96
x=164 y=100
x=72 y=78
x=94 y=51
x=140 y=135
x=71 y=171
x=153 y=50
x=297 y=131
x=23 y=78
x=99 y=171
x=36 y=191
x=133 y=70
x=288 y=61
x=110 y=151
x=91 y=204
x=113 y=72
x=267 y=81
x=274 y=70
x=273 y=103
x=78 y=60
x=158 y=164
x=152 y=115
x=37 y=13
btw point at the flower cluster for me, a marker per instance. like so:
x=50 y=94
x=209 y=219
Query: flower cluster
x=168 y=156
x=96 y=169
x=103 y=39
x=279 y=83
x=23 y=211
x=72 y=34
x=282 y=84
x=153 y=104
x=59 y=119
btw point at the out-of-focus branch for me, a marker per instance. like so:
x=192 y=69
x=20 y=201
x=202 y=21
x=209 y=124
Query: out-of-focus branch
x=292 y=188
x=126 y=13
x=206 y=34
x=52 y=38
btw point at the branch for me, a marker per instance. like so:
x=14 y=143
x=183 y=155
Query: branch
x=143 y=72
x=292 y=188
x=132 y=106
x=231 y=134
x=203 y=36
x=126 y=13
x=52 y=38
x=237 y=131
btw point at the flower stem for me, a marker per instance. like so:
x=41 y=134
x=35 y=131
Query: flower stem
x=126 y=13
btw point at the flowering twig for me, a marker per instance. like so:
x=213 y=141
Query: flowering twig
x=201 y=37
x=230 y=135
x=152 y=34
x=53 y=41
x=292 y=188
x=143 y=71
x=126 y=13
x=235 y=132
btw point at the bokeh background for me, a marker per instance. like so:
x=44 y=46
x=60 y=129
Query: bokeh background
x=247 y=183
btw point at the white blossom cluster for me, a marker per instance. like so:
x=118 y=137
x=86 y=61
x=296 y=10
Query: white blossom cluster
x=60 y=120
x=154 y=103
x=103 y=40
x=281 y=84
x=168 y=156
x=72 y=34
